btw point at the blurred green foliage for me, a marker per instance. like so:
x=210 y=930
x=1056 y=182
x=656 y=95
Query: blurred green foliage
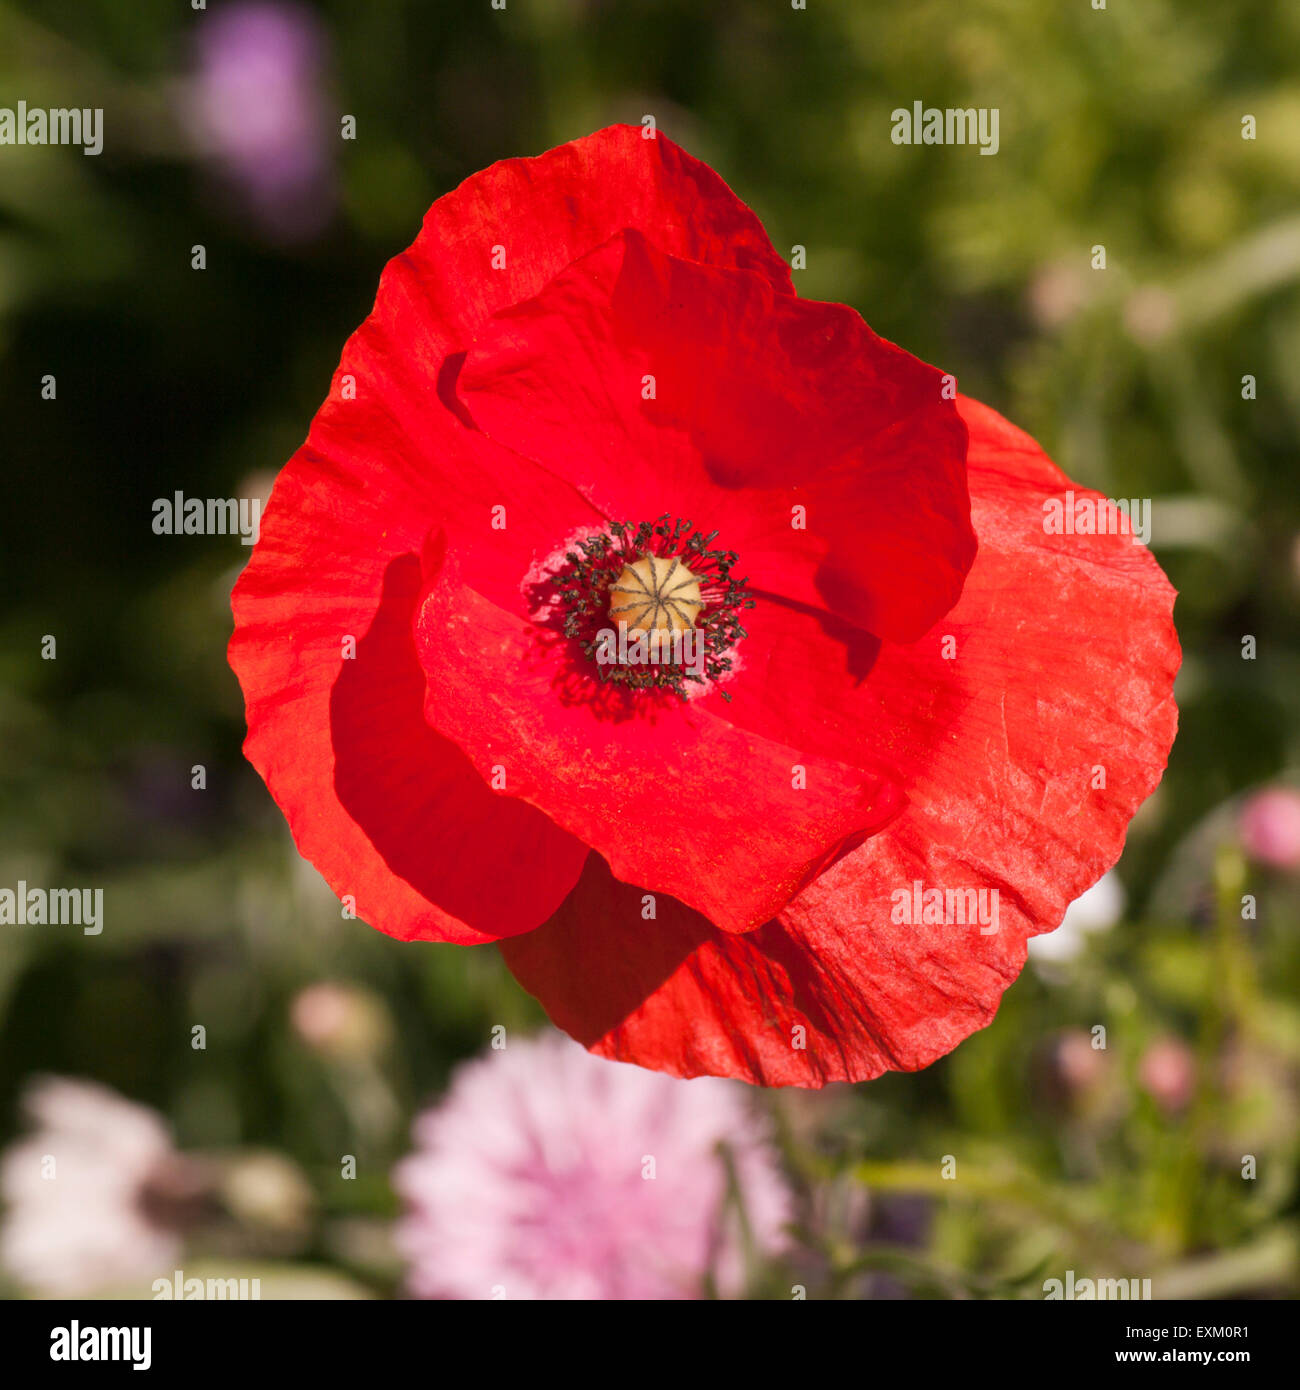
x=1119 y=127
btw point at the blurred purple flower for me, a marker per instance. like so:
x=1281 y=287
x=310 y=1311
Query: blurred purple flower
x=533 y=1175
x=256 y=107
x=79 y=1191
x=1270 y=827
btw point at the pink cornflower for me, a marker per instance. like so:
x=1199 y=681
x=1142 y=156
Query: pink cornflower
x=546 y=1172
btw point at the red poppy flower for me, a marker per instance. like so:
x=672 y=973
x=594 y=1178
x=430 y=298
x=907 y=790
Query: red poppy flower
x=625 y=608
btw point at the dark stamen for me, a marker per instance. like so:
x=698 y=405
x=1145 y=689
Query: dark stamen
x=585 y=598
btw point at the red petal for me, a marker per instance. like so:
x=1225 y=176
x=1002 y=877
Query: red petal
x=387 y=810
x=674 y=797
x=835 y=994
x=762 y=405
x=1065 y=660
x=390 y=812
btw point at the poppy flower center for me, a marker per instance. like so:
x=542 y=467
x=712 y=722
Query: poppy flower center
x=655 y=594
x=653 y=606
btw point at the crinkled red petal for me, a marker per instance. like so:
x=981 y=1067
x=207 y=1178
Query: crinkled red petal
x=677 y=799
x=391 y=813
x=1024 y=752
x=829 y=459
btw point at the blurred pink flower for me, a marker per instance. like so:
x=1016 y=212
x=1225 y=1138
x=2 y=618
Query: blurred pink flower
x=1150 y=315
x=1079 y=1064
x=1056 y=293
x=77 y=1191
x=255 y=105
x=1071 y=1075
x=532 y=1177
x=1270 y=827
x=1167 y=1072
x=339 y=1020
